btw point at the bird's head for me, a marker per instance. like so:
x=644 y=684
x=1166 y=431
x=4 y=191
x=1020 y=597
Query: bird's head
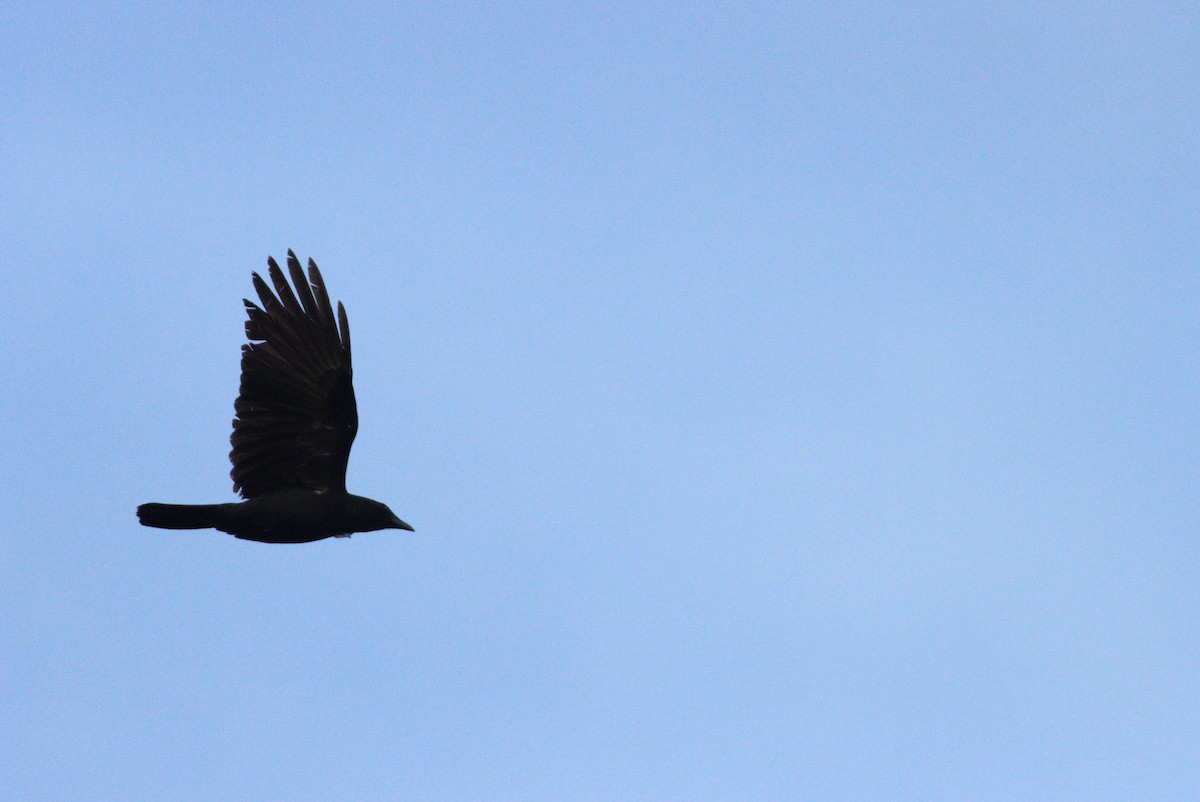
x=371 y=515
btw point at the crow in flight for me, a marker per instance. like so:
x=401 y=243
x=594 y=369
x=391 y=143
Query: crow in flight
x=295 y=422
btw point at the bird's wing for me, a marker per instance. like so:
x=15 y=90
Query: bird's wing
x=296 y=416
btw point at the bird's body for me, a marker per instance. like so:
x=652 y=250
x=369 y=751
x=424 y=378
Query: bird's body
x=287 y=516
x=296 y=421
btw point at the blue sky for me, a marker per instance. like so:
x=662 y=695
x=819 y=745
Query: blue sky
x=792 y=401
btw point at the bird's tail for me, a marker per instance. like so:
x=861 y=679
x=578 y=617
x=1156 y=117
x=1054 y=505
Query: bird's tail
x=179 y=516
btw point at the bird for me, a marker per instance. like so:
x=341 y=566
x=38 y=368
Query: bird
x=295 y=419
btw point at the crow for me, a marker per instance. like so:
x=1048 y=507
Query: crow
x=295 y=420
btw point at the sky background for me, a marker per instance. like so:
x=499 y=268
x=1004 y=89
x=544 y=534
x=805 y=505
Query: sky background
x=792 y=400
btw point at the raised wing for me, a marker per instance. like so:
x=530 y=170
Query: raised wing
x=296 y=416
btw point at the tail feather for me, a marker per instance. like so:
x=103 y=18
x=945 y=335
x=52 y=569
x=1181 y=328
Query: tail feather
x=179 y=516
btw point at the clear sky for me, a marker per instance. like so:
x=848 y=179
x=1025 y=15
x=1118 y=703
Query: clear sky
x=793 y=401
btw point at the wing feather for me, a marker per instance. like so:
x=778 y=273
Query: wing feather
x=296 y=416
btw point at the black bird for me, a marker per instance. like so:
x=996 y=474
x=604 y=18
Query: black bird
x=294 y=425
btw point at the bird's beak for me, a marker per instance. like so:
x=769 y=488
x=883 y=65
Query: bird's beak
x=398 y=524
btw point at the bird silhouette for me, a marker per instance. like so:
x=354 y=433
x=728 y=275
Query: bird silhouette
x=295 y=421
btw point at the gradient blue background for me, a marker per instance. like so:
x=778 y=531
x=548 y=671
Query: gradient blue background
x=792 y=400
